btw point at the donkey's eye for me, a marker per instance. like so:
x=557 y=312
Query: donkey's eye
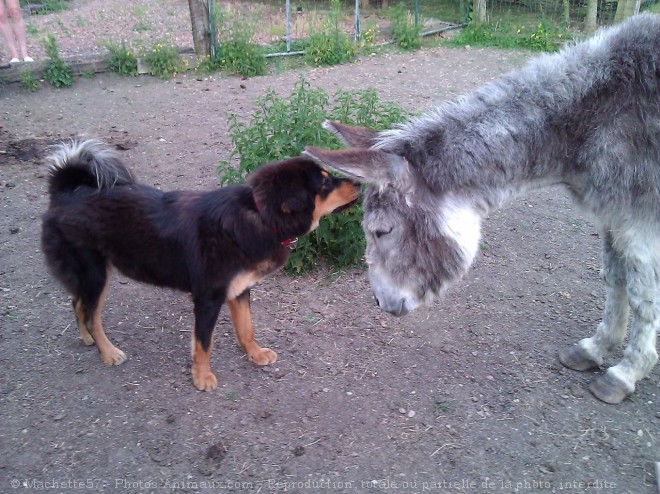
x=380 y=233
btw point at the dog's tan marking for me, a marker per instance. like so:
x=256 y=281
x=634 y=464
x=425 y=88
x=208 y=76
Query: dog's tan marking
x=242 y=320
x=203 y=378
x=110 y=354
x=341 y=196
x=247 y=279
x=242 y=282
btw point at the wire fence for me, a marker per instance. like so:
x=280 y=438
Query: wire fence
x=283 y=25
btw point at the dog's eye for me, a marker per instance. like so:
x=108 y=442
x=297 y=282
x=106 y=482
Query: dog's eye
x=380 y=233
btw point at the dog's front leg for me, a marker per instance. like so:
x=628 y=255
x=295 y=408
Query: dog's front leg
x=242 y=320
x=206 y=315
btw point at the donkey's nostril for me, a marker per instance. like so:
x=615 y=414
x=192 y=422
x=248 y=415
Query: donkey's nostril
x=377 y=302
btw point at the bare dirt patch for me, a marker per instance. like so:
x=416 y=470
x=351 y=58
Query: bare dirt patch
x=466 y=396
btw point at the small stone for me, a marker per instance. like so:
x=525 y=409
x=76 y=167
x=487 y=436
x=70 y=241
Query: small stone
x=411 y=414
x=299 y=450
x=402 y=411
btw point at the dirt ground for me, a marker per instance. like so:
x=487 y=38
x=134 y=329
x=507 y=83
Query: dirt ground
x=467 y=396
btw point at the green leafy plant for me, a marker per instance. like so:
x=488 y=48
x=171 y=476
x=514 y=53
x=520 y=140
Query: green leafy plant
x=121 y=59
x=330 y=45
x=279 y=128
x=236 y=53
x=406 y=31
x=56 y=72
x=29 y=82
x=88 y=73
x=163 y=60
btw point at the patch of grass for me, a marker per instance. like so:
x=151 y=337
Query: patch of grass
x=88 y=73
x=48 y=6
x=280 y=128
x=56 y=72
x=540 y=37
x=163 y=60
x=29 y=82
x=31 y=29
x=121 y=59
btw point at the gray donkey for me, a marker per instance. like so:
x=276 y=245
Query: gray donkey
x=587 y=118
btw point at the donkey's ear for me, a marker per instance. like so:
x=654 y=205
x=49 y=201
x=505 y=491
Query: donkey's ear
x=371 y=166
x=352 y=136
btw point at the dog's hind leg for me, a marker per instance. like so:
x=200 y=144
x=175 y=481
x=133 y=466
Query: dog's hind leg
x=88 y=305
x=241 y=317
x=110 y=354
x=81 y=319
x=589 y=352
x=640 y=356
x=206 y=315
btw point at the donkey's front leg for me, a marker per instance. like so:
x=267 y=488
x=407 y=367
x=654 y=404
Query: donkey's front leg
x=640 y=356
x=589 y=352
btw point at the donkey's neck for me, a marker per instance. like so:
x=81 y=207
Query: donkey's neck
x=503 y=139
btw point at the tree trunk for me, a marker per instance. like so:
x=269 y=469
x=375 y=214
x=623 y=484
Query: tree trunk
x=624 y=9
x=479 y=10
x=591 y=20
x=199 y=17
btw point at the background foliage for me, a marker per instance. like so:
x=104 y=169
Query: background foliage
x=280 y=128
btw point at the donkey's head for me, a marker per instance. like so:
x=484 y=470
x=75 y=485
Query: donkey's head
x=418 y=240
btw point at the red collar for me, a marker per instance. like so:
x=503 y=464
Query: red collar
x=284 y=243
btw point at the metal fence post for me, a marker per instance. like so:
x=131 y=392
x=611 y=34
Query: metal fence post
x=212 y=33
x=288 y=25
x=357 y=20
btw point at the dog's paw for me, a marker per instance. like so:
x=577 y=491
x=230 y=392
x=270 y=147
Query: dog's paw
x=204 y=379
x=263 y=356
x=113 y=356
x=86 y=339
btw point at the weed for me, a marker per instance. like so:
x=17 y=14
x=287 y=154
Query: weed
x=31 y=29
x=330 y=45
x=441 y=405
x=236 y=53
x=163 y=60
x=406 y=32
x=56 y=72
x=29 y=82
x=121 y=60
x=88 y=73
x=280 y=128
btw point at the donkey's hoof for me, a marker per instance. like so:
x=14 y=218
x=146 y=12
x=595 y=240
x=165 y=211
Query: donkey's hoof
x=575 y=358
x=609 y=389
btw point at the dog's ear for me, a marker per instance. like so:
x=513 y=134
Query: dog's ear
x=351 y=135
x=371 y=166
x=295 y=204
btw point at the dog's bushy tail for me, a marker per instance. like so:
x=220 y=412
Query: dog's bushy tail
x=87 y=163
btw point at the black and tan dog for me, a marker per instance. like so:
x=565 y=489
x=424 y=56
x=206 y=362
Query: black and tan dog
x=215 y=245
